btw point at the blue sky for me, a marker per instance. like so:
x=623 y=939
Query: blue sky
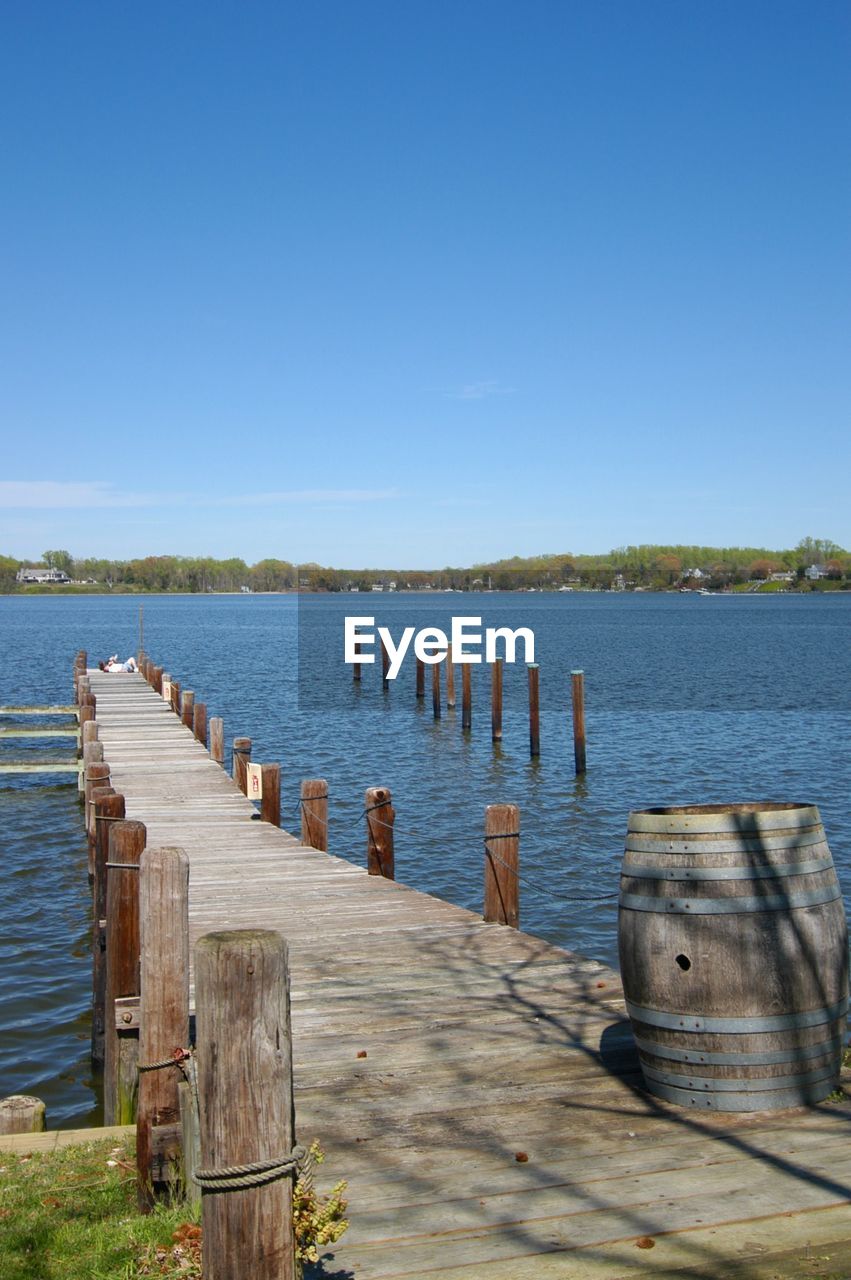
x=415 y=284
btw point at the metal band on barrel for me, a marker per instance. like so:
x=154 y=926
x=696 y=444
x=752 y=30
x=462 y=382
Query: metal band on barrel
x=737 y=1026
x=732 y=844
x=648 y=871
x=768 y=1100
x=712 y=1084
x=728 y=906
x=768 y=1057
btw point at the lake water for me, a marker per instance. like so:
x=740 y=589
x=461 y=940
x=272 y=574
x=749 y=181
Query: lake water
x=688 y=699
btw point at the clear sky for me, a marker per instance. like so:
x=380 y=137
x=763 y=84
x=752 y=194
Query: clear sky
x=423 y=283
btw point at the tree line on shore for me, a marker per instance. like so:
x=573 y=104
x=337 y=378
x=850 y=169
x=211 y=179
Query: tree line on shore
x=647 y=567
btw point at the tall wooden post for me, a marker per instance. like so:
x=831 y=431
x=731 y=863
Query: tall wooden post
x=88 y=729
x=435 y=690
x=270 y=802
x=380 y=816
x=108 y=809
x=163 y=1000
x=245 y=1087
x=502 y=849
x=385 y=665
x=158 y=679
x=126 y=842
x=241 y=758
x=314 y=813
x=97 y=775
x=356 y=673
x=199 y=722
x=86 y=715
x=420 y=678
x=217 y=739
x=577 y=680
x=187 y=708
x=450 y=679
x=175 y=697
x=534 y=711
x=496 y=699
x=466 y=697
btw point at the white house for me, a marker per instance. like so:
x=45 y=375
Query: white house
x=42 y=575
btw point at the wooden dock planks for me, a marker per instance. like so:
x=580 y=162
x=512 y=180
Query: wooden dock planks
x=481 y=1044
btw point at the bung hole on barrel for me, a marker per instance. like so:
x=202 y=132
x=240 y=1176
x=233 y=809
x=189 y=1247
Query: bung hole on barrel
x=683 y=962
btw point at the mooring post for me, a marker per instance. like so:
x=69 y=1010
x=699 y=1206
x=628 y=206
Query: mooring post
x=88 y=729
x=466 y=697
x=534 y=711
x=502 y=849
x=21 y=1113
x=187 y=708
x=109 y=809
x=126 y=842
x=158 y=680
x=450 y=679
x=241 y=758
x=270 y=801
x=199 y=722
x=420 y=678
x=380 y=816
x=96 y=775
x=85 y=715
x=175 y=697
x=314 y=813
x=577 y=680
x=217 y=739
x=496 y=700
x=385 y=666
x=356 y=675
x=435 y=690
x=163 y=1010
x=244 y=1059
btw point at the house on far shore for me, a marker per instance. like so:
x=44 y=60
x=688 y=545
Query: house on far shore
x=42 y=575
x=815 y=571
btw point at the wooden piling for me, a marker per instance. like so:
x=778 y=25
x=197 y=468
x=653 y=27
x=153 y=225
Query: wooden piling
x=577 y=680
x=175 y=697
x=466 y=697
x=380 y=816
x=163 y=1007
x=534 y=711
x=217 y=739
x=244 y=1060
x=86 y=715
x=314 y=813
x=241 y=758
x=187 y=708
x=270 y=801
x=88 y=729
x=420 y=678
x=126 y=842
x=20 y=1113
x=97 y=774
x=450 y=679
x=496 y=700
x=502 y=849
x=435 y=690
x=356 y=671
x=108 y=809
x=385 y=665
x=199 y=722
x=158 y=679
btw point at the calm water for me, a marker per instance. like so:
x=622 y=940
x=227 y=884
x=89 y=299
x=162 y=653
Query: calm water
x=688 y=699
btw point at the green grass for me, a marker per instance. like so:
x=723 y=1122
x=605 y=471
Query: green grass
x=72 y=1215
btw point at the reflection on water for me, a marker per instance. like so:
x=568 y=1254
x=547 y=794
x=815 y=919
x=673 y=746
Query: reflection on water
x=688 y=700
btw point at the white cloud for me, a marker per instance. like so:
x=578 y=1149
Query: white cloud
x=53 y=494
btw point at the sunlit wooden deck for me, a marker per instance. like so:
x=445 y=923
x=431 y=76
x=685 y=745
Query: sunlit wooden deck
x=496 y=1125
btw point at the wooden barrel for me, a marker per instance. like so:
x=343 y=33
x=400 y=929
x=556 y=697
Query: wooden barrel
x=734 y=955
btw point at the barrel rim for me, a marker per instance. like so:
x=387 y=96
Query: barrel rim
x=740 y=818
x=733 y=808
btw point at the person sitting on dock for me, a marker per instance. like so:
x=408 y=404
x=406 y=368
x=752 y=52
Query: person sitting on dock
x=114 y=665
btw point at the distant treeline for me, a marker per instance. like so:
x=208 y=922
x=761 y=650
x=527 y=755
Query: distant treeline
x=813 y=562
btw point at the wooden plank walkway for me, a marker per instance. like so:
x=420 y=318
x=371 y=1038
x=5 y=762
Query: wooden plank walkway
x=481 y=1043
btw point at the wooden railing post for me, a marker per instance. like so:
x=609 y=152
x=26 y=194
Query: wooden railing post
x=96 y=775
x=314 y=813
x=175 y=697
x=163 y=1007
x=86 y=715
x=496 y=700
x=270 y=801
x=534 y=711
x=241 y=758
x=435 y=690
x=420 y=678
x=385 y=666
x=126 y=842
x=245 y=1089
x=158 y=680
x=88 y=729
x=217 y=739
x=502 y=848
x=199 y=722
x=380 y=816
x=187 y=708
x=109 y=809
x=577 y=681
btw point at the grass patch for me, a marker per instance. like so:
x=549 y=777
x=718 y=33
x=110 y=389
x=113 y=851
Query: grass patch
x=71 y=1215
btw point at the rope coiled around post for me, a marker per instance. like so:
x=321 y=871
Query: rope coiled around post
x=239 y=1177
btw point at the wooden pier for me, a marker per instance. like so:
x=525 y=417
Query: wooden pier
x=477 y=1087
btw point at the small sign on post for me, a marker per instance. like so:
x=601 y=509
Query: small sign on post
x=166 y=691
x=255 y=782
